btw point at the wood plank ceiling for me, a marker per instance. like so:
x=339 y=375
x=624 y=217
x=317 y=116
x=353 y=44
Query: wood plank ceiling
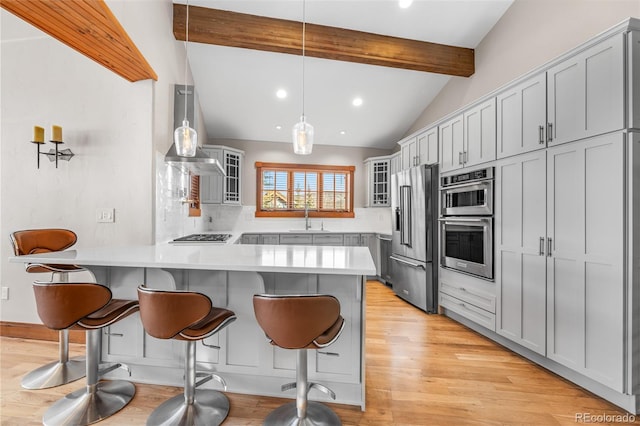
x=233 y=29
x=89 y=27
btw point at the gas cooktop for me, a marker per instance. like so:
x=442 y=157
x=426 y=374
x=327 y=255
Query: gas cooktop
x=203 y=238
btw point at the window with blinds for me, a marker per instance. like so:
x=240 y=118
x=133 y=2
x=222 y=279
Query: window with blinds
x=288 y=190
x=194 y=196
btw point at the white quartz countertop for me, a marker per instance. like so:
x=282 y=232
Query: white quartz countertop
x=236 y=257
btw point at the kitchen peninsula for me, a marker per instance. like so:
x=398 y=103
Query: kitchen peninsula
x=230 y=275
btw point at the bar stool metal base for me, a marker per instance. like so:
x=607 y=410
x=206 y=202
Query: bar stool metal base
x=84 y=406
x=317 y=414
x=55 y=374
x=59 y=372
x=210 y=407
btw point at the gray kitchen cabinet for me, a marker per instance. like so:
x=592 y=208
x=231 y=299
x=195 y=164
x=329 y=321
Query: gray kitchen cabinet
x=250 y=239
x=329 y=239
x=352 y=240
x=299 y=239
x=520 y=247
x=378 y=181
x=420 y=149
x=586 y=92
x=468 y=296
x=272 y=239
x=216 y=189
x=522 y=117
x=408 y=152
x=586 y=257
x=560 y=255
x=371 y=241
x=384 y=252
x=395 y=163
x=469 y=139
x=451 y=139
x=479 y=133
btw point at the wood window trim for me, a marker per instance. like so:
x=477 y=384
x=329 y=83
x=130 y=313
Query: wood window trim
x=194 y=196
x=290 y=167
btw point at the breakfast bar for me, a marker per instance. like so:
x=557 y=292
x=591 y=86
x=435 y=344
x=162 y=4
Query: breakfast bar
x=230 y=275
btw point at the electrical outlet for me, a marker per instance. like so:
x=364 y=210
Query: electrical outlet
x=5 y=293
x=105 y=215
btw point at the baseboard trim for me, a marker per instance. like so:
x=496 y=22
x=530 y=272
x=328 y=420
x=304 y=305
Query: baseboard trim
x=37 y=332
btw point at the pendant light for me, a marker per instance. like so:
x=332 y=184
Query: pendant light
x=185 y=137
x=303 y=131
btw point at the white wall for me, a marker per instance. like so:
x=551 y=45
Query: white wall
x=243 y=219
x=529 y=34
x=114 y=127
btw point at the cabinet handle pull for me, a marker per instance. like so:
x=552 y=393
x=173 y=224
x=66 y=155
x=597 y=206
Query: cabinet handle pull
x=329 y=353
x=465 y=157
x=460 y=158
x=541 y=134
x=541 y=248
x=549 y=245
x=549 y=132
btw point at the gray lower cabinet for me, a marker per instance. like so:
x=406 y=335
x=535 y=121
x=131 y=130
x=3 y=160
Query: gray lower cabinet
x=272 y=239
x=328 y=239
x=240 y=353
x=250 y=239
x=352 y=240
x=296 y=239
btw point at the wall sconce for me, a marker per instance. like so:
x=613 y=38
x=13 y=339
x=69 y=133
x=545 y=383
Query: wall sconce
x=56 y=139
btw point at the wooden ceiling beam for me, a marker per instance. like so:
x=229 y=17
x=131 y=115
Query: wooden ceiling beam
x=224 y=28
x=89 y=27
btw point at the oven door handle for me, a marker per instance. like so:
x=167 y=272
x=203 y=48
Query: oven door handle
x=462 y=219
x=464 y=185
x=406 y=262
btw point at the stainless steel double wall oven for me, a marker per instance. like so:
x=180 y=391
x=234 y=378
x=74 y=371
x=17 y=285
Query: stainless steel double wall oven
x=466 y=222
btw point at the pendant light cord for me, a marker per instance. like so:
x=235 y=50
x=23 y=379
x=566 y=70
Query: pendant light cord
x=186 y=58
x=303 y=51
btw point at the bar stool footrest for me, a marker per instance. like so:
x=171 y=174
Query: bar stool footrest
x=317 y=415
x=84 y=407
x=209 y=408
x=55 y=374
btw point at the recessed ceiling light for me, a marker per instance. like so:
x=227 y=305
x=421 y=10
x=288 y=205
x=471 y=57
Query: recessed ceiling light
x=404 y=3
x=357 y=101
x=281 y=93
x=278 y=127
x=342 y=132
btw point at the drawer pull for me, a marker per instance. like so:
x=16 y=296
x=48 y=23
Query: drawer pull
x=329 y=353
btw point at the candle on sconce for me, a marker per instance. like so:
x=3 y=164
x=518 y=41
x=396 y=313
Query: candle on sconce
x=38 y=134
x=56 y=133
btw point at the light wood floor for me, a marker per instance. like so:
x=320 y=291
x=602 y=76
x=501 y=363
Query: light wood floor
x=421 y=370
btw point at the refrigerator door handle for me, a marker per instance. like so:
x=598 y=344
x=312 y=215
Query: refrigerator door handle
x=406 y=262
x=405 y=211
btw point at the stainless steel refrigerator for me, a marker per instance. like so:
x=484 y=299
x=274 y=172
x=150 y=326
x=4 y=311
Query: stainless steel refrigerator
x=414 y=239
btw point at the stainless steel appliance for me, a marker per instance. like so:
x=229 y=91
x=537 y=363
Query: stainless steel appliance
x=469 y=193
x=202 y=238
x=414 y=239
x=466 y=225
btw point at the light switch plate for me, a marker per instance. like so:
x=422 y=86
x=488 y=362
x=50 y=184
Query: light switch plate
x=5 y=293
x=106 y=215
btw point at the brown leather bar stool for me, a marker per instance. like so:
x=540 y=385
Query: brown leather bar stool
x=89 y=307
x=33 y=241
x=187 y=316
x=300 y=322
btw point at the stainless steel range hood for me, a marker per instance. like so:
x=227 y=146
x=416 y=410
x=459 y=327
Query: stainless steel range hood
x=201 y=164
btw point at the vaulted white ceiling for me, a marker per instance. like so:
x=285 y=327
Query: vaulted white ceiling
x=237 y=87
